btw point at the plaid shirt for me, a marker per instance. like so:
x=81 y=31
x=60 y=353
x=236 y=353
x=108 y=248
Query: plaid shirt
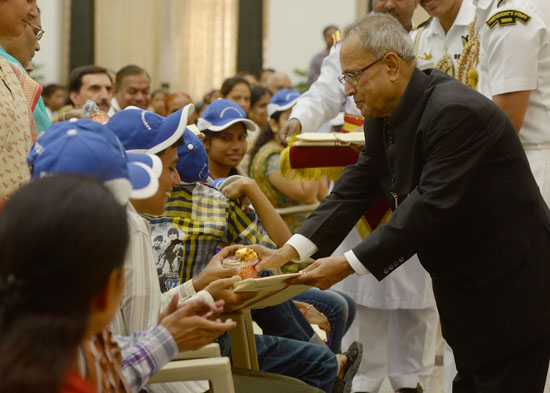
x=197 y=219
x=144 y=353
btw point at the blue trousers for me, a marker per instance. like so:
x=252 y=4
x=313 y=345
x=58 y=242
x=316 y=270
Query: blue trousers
x=314 y=364
x=338 y=307
x=286 y=319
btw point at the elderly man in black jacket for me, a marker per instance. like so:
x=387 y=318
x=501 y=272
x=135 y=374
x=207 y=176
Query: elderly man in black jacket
x=452 y=168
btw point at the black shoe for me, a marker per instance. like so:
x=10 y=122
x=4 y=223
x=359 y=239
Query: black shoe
x=353 y=355
x=417 y=389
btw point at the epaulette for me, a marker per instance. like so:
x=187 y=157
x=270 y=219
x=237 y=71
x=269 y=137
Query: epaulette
x=336 y=37
x=421 y=25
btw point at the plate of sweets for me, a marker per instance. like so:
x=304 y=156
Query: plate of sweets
x=245 y=259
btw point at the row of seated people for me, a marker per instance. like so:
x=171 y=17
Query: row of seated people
x=146 y=317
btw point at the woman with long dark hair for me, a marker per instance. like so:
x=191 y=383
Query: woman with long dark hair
x=62 y=245
x=258 y=105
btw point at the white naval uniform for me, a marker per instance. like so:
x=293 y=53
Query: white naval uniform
x=396 y=318
x=434 y=43
x=515 y=56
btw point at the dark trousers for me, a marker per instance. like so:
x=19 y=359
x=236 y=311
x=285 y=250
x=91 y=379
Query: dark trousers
x=521 y=372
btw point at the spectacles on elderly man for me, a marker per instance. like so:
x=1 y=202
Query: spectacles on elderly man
x=38 y=32
x=351 y=77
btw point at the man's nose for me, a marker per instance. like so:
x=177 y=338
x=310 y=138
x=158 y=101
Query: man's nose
x=349 y=89
x=176 y=179
x=105 y=95
x=139 y=96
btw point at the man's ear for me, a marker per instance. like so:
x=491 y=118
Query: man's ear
x=393 y=65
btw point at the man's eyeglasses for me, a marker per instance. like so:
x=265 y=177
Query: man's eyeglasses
x=351 y=77
x=38 y=32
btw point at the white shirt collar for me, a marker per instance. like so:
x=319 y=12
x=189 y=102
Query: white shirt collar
x=483 y=4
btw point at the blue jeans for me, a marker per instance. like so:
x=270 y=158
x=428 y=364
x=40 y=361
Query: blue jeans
x=283 y=320
x=338 y=307
x=314 y=364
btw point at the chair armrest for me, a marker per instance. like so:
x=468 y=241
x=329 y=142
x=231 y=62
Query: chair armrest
x=208 y=351
x=216 y=370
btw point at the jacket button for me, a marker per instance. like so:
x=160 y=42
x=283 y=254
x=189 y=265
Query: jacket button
x=390 y=267
x=395 y=263
x=401 y=260
x=385 y=271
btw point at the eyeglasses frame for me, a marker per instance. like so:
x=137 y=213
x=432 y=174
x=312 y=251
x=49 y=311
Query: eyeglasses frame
x=351 y=77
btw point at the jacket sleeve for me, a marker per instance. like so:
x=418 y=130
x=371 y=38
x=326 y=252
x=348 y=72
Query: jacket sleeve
x=456 y=144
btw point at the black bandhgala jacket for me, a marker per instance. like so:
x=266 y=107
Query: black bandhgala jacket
x=451 y=166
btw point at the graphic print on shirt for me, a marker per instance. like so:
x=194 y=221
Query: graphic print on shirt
x=168 y=252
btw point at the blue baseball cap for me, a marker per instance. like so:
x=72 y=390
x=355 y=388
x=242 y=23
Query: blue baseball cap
x=281 y=101
x=222 y=114
x=83 y=150
x=193 y=159
x=61 y=128
x=142 y=131
x=91 y=126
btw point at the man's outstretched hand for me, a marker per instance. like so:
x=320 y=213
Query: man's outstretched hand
x=324 y=273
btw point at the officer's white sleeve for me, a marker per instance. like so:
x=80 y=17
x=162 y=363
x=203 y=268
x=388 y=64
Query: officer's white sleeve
x=512 y=54
x=324 y=98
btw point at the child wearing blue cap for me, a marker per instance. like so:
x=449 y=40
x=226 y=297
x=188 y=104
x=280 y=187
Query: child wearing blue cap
x=265 y=158
x=225 y=126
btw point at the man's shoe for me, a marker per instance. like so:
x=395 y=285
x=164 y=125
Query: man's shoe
x=417 y=389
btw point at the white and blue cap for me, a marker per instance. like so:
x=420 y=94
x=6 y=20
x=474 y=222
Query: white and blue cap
x=222 y=114
x=142 y=131
x=281 y=101
x=193 y=159
x=78 y=149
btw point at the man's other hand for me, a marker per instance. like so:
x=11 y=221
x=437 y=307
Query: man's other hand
x=324 y=273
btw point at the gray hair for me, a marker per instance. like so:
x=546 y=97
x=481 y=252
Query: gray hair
x=380 y=34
